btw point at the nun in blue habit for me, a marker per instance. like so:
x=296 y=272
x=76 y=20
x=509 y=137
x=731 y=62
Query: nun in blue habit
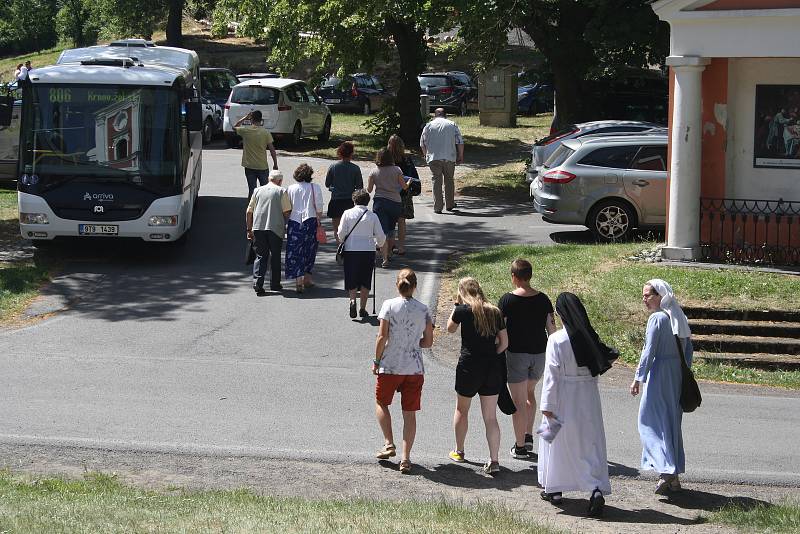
x=659 y=379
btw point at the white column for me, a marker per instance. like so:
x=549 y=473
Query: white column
x=683 y=231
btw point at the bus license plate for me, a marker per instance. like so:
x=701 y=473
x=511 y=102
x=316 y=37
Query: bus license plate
x=98 y=229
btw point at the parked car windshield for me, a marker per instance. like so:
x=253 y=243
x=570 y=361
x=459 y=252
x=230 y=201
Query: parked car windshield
x=331 y=82
x=433 y=81
x=254 y=94
x=558 y=157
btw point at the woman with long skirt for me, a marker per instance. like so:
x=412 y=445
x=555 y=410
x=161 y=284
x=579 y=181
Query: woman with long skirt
x=659 y=379
x=575 y=458
x=301 y=230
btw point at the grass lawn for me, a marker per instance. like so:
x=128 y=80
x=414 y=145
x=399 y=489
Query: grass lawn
x=610 y=288
x=99 y=503
x=482 y=143
x=782 y=517
x=37 y=59
x=19 y=281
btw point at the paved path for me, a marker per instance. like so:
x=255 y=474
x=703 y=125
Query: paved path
x=169 y=350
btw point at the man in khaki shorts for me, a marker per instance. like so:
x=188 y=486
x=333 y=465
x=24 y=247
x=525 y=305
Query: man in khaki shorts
x=443 y=148
x=255 y=142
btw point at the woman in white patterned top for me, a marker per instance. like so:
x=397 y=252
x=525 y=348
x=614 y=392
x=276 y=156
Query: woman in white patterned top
x=406 y=328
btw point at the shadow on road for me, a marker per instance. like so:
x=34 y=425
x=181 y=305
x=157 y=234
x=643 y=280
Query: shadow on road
x=118 y=280
x=465 y=476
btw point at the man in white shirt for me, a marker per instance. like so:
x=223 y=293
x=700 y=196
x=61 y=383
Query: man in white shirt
x=443 y=148
x=266 y=223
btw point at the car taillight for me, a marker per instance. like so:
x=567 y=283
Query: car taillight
x=560 y=137
x=558 y=177
x=446 y=90
x=227 y=106
x=284 y=108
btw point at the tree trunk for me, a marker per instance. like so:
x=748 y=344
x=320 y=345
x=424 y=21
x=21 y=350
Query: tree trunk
x=174 y=20
x=412 y=50
x=569 y=54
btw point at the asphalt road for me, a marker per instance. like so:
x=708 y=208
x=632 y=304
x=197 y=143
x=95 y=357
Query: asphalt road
x=170 y=350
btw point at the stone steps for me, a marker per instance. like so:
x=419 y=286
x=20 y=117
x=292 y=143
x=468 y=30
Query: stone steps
x=766 y=339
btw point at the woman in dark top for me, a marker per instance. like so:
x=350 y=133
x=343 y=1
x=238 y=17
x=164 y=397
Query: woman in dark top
x=406 y=164
x=343 y=179
x=480 y=367
x=529 y=318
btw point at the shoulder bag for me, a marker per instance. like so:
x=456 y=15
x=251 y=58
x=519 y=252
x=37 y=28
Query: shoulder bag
x=340 y=249
x=690 y=391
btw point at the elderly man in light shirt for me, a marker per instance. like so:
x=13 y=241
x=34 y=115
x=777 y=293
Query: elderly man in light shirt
x=443 y=147
x=267 y=212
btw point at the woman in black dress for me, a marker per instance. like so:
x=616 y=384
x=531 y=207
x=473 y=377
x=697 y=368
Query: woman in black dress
x=480 y=366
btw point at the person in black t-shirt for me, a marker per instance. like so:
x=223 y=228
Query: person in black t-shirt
x=529 y=318
x=480 y=366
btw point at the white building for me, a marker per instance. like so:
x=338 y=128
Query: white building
x=734 y=181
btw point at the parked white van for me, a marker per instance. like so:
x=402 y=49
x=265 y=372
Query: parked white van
x=290 y=109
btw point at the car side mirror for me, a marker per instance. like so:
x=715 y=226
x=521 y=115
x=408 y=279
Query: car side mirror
x=194 y=116
x=6 y=108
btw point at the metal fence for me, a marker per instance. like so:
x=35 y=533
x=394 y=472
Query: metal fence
x=750 y=231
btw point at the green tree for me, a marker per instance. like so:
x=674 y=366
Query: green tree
x=76 y=23
x=581 y=39
x=350 y=34
x=141 y=18
x=27 y=25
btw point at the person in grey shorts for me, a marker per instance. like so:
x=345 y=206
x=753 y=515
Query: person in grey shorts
x=529 y=319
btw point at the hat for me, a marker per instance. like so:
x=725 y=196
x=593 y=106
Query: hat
x=275 y=175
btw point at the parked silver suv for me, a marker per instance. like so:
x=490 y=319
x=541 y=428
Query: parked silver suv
x=610 y=183
x=544 y=147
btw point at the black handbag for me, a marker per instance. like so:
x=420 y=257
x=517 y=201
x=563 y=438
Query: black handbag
x=690 y=391
x=250 y=253
x=414 y=187
x=340 y=248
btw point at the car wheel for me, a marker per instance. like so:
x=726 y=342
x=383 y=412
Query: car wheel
x=366 y=108
x=612 y=220
x=208 y=131
x=297 y=133
x=326 y=131
x=462 y=108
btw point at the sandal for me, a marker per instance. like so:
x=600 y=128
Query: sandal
x=386 y=452
x=385 y=264
x=405 y=467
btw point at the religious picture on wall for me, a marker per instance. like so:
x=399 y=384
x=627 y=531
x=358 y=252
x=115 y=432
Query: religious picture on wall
x=777 y=127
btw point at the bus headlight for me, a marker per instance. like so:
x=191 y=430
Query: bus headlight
x=33 y=218
x=163 y=220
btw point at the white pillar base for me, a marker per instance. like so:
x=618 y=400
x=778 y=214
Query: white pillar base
x=680 y=253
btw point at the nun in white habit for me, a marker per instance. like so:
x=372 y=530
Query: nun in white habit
x=576 y=458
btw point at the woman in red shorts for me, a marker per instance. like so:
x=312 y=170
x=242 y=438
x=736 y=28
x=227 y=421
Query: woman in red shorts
x=406 y=328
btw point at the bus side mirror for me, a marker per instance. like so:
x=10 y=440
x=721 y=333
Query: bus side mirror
x=194 y=116
x=6 y=108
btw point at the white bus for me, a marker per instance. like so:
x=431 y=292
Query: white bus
x=110 y=144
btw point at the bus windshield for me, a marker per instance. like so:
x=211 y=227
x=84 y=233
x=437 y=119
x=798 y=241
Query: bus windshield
x=102 y=133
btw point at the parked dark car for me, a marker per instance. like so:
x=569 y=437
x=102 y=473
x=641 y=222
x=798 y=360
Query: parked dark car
x=454 y=91
x=361 y=93
x=216 y=84
x=534 y=98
